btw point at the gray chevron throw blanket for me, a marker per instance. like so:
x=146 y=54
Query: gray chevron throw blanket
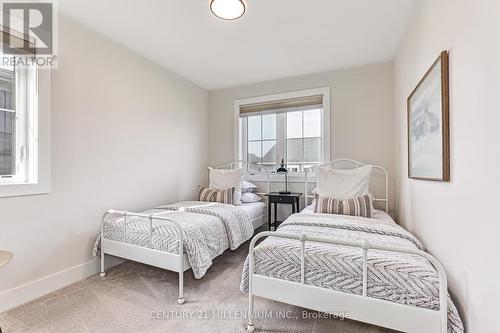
x=181 y=205
x=238 y=225
x=207 y=232
x=396 y=277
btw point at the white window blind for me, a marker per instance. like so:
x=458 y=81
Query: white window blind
x=283 y=105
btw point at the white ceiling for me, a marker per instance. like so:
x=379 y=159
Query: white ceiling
x=274 y=39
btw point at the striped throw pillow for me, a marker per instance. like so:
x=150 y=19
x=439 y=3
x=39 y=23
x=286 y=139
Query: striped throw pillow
x=213 y=195
x=358 y=206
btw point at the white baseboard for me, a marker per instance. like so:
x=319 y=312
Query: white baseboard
x=34 y=289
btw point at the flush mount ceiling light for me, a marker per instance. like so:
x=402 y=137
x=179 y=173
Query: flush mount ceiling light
x=228 y=9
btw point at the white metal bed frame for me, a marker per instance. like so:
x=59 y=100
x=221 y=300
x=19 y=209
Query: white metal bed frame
x=166 y=260
x=354 y=164
x=170 y=261
x=367 y=309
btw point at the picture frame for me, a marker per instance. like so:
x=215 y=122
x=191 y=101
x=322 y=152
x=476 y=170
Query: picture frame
x=428 y=124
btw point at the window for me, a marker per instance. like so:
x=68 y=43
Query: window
x=18 y=125
x=293 y=126
x=7 y=123
x=303 y=139
x=261 y=140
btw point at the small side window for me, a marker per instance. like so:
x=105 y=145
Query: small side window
x=18 y=125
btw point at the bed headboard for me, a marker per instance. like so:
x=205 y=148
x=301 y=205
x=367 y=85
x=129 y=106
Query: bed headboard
x=250 y=169
x=344 y=164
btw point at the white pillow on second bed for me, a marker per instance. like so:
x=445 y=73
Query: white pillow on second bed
x=247 y=197
x=246 y=186
x=343 y=184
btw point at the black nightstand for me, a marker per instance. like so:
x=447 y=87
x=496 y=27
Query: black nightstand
x=276 y=198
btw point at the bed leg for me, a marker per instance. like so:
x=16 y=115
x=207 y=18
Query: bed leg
x=251 y=265
x=250 y=326
x=102 y=273
x=181 y=299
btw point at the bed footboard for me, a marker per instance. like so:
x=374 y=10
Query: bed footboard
x=369 y=310
x=170 y=261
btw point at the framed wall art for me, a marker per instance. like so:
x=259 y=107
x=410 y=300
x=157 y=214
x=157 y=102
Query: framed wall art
x=428 y=124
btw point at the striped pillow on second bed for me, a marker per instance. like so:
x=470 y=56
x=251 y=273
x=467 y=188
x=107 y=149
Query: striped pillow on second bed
x=358 y=206
x=213 y=195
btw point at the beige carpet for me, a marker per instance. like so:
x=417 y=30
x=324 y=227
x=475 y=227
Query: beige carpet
x=139 y=298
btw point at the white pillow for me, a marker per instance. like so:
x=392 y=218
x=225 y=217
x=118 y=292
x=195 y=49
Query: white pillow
x=222 y=179
x=248 y=187
x=250 y=197
x=343 y=184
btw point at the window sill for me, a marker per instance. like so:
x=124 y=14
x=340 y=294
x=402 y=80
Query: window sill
x=275 y=178
x=21 y=189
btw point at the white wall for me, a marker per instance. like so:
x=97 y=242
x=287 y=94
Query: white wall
x=458 y=221
x=126 y=134
x=362 y=113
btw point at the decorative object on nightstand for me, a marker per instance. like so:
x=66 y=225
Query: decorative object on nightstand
x=279 y=198
x=282 y=170
x=5 y=257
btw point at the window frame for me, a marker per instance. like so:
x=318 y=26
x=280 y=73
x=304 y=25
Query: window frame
x=243 y=154
x=41 y=182
x=325 y=130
